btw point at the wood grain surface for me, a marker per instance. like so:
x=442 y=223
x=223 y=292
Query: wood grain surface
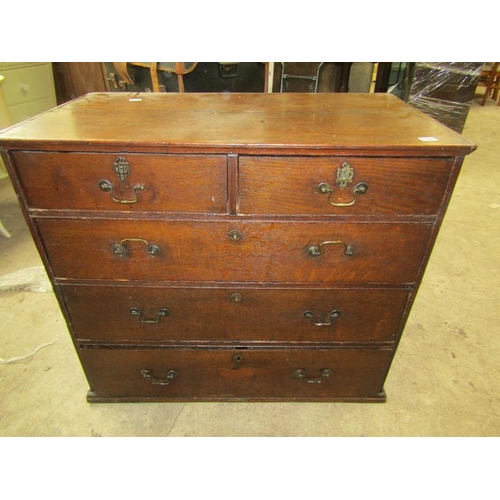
x=358 y=124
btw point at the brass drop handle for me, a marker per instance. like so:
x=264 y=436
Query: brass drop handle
x=302 y=374
x=122 y=168
x=121 y=248
x=345 y=175
x=134 y=311
x=107 y=187
x=310 y=315
x=360 y=188
x=315 y=250
x=171 y=374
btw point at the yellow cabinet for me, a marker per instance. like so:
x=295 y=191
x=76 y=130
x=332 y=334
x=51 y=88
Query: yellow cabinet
x=28 y=89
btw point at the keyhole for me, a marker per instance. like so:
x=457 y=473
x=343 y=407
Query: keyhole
x=238 y=359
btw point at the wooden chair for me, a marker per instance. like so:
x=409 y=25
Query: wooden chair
x=490 y=78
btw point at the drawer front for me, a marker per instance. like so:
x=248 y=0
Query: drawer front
x=373 y=186
x=148 y=314
x=128 y=182
x=239 y=251
x=233 y=374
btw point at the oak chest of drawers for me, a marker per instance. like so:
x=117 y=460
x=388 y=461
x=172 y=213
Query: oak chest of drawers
x=234 y=247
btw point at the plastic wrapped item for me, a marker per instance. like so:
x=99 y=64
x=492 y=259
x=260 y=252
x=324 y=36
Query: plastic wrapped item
x=443 y=90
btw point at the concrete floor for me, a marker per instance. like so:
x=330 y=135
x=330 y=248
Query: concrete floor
x=445 y=379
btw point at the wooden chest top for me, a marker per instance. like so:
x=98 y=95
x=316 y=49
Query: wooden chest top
x=321 y=124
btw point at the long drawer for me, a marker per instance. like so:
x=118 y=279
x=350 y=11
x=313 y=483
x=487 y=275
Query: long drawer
x=235 y=251
x=236 y=374
x=342 y=186
x=130 y=182
x=118 y=314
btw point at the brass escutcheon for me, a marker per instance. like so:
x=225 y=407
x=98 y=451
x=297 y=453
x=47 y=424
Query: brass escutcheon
x=235 y=235
x=238 y=360
x=122 y=168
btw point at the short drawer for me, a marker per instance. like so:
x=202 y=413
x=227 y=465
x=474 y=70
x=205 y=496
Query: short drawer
x=235 y=251
x=122 y=314
x=342 y=186
x=124 y=182
x=201 y=374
